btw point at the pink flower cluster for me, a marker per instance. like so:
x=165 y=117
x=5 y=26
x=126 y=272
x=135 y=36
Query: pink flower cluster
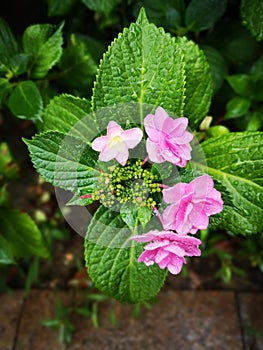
x=116 y=143
x=167 y=249
x=167 y=140
x=189 y=204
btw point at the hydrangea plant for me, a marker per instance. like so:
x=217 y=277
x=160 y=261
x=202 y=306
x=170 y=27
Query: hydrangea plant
x=191 y=204
x=133 y=150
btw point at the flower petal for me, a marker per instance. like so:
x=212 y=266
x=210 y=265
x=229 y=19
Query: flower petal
x=147 y=237
x=99 y=143
x=122 y=156
x=114 y=129
x=175 y=266
x=108 y=153
x=167 y=249
x=169 y=217
x=174 y=194
x=154 y=124
x=116 y=144
x=191 y=205
x=132 y=137
x=111 y=152
x=147 y=258
x=201 y=186
x=156 y=244
x=161 y=255
x=176 y=127
x=154 y=152
x=170 y=138
x=175 y=249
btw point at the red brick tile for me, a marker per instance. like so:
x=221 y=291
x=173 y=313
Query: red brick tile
x=40 y=306
x=10 y=309
x=251 y=306
x=180 y=320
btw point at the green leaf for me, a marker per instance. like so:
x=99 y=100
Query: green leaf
x=8 y=168
x=32 y=275
x=144 y=215
x=236 y=161
x=256 y=71
x=226 y=195
x=6 y=254
x=112 y=260
x=101 y=6
x=52 y=323
x=217 y=65
x=142 y=65
x=22 y=234
x=76 y=200
x=65 y=332
x=163 y=170
x=198 y=83
x=203 y=14
x=252 y=15
x=69 y=114
x=64 y=161
x=8 y=44
x=128 y=213
x=4 y=197
x=237 y=107
x=147 y=66
x=77 y=66
x=234 y=42
x=44 y=41
x=241 y=84
x=244 y=85
x=25 y=101
x=95 y=47
x=4 y=88
x=257 y=91
x=256 y=120
x=19 y=63
x=59 y=8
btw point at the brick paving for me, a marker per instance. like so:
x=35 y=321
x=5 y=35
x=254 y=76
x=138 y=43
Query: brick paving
x=187 y=320
x=11 y=306
x=251 y=311
x=40 y=306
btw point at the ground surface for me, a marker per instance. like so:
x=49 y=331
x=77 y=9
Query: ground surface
x=189 y=320
x=196 y=311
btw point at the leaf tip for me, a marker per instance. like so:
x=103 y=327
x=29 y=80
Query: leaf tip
x=142 y=17
x=26 y=141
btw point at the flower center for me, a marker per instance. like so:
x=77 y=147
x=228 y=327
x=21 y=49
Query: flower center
x=115 y=140
x=129 y=183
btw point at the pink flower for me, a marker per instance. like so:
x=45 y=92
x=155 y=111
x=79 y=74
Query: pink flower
x=168 y=139
x=167 y=249
x=191 y=206
x=116 y=143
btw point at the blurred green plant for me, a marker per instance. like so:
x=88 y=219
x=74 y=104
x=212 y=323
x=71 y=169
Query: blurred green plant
x=29 y=72
x=62 y=322
x=64 y=316
x=247 y=101
x=237 y=256
x=19 y=235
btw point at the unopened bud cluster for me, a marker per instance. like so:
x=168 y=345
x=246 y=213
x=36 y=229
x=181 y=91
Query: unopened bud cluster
x=129 y=183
